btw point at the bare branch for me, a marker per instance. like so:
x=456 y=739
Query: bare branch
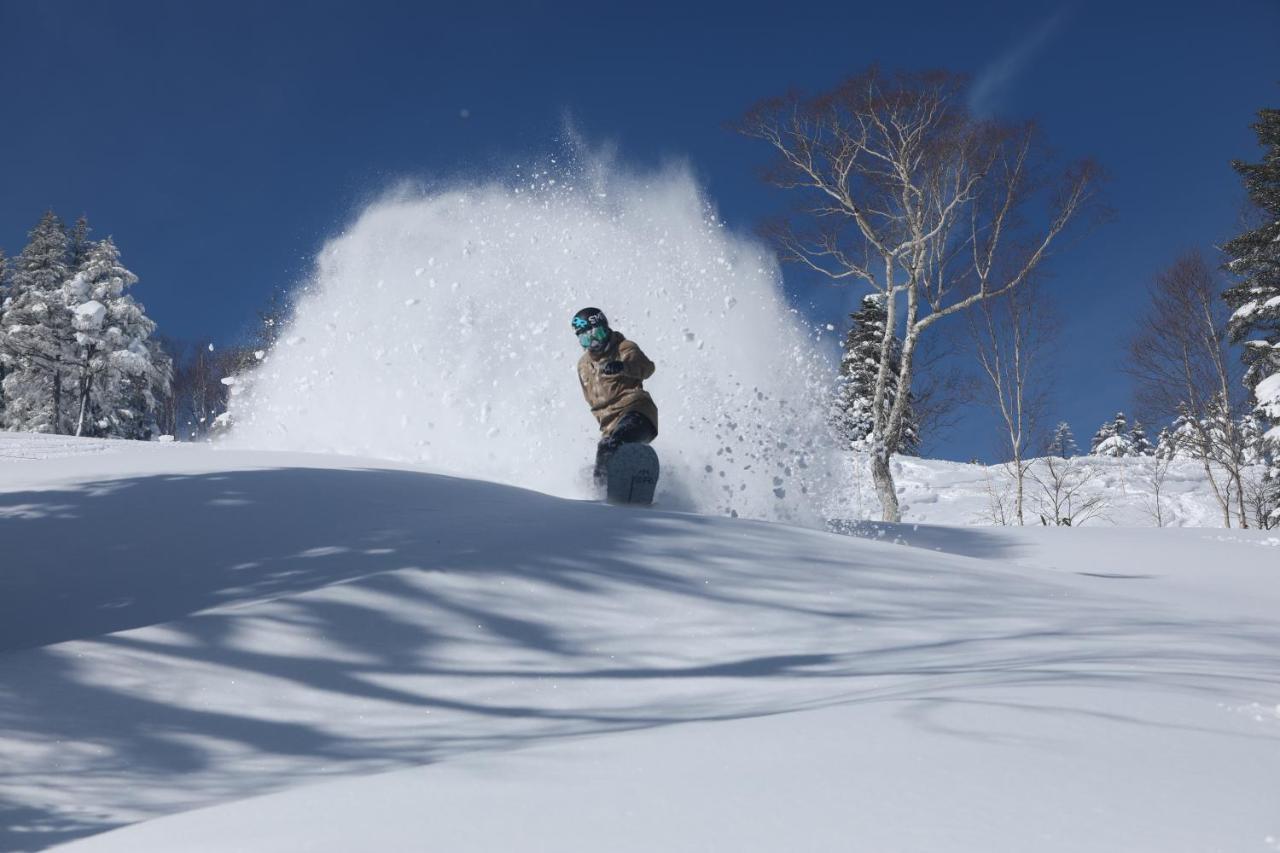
x=891 y=168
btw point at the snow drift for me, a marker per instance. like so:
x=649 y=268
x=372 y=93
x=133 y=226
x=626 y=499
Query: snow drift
x=436 y=330
x=418 y=662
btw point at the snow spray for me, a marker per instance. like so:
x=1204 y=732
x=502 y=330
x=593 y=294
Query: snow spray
x=435 y=329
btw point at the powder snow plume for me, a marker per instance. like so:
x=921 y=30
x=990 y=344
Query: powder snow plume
x=436 y=329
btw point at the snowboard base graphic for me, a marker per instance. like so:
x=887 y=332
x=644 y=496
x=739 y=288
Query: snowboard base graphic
x=633 y=474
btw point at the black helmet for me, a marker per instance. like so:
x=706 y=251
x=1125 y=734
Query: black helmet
x=592 y=329
x=588 y=319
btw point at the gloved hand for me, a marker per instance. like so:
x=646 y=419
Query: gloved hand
x=612 y=368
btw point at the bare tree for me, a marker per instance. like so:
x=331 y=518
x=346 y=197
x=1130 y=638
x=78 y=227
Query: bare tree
x=199 y=395
x=900 y=188
x=1178 y=358
x=944 y=385
x=1064 y=498
x=170 y=410
x=1010 y=337
x=1157 y=472
x=1262 y=498
x=999 y=499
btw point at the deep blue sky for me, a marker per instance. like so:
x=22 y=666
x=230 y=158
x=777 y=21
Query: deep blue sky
x=221 y=143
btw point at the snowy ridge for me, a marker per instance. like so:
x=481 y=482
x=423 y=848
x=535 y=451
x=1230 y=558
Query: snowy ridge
x=347 y=654
x=937 y=492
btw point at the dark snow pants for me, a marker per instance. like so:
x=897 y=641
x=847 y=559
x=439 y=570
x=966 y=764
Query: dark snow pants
x=631 y=428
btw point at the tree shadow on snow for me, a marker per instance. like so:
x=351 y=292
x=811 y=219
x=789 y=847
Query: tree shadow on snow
x=975 y=542
x=429 y=616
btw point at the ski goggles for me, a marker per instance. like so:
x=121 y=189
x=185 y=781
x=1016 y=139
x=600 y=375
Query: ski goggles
x=597 y=333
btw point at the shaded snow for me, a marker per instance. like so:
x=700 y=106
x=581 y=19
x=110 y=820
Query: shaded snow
x=353 y=655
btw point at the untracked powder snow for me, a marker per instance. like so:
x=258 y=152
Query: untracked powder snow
x=209 y=649
x=436 y=330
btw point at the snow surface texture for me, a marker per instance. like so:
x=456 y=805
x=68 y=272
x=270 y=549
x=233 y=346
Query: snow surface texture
x=934 y=491
x=348 y=655
x=436 y=330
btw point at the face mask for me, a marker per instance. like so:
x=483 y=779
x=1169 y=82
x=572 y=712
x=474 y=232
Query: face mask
x=598 y=334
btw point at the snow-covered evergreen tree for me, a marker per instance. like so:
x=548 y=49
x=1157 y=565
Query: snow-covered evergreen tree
x=4 y=292
x=1063 y=443
x=1104 y=432
x=1262 y=489
x=1115 y=438
x=1112 y=438
x=853 y=416
x=1254 y=256
x=1140 y=444
x=1252 y=438
x=78 y=244
x=139 y=407
x=1185 y=439
x=1166 y=445
x=37 y=336
x=120 y=373
x=75 y=347
x=1220 y=431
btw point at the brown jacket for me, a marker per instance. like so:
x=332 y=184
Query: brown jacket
x=611 y=397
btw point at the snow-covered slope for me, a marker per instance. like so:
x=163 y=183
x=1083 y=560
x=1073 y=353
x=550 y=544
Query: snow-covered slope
x=938 y=492
x=288 y=652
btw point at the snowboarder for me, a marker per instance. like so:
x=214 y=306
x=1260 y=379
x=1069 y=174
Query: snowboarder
x=612 y=371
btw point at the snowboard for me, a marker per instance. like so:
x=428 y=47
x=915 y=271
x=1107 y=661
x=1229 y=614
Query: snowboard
x=633 y=474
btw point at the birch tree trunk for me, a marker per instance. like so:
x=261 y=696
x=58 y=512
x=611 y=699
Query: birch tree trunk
x=886 y=490
x=1009 y=335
